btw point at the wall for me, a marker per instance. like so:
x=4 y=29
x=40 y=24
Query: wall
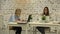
x=27 y=7
x=34 y=7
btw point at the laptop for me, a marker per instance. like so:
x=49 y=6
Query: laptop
x=23 y=20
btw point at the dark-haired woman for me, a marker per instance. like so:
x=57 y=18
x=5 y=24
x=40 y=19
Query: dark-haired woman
x=45 y=13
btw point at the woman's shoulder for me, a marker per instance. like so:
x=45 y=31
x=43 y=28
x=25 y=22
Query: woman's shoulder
x=11 y=18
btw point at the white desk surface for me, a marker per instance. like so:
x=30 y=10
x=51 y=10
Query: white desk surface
x=37 y=23
x=50 y=23
x=16 y=24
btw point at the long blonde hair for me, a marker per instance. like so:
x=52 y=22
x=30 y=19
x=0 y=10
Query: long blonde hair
x=17 y=12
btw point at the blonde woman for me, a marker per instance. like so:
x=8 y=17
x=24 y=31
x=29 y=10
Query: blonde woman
x=16 y=18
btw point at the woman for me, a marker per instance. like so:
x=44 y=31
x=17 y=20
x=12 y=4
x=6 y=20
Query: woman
x=16 y=18
x=45 y=13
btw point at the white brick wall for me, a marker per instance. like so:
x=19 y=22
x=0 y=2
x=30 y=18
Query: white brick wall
x=29 y=6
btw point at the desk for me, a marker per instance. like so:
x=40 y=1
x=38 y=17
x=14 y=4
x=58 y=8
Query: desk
x=35 y=24
x=18 y=25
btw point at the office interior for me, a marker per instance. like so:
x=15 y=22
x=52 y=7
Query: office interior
x=35 y=9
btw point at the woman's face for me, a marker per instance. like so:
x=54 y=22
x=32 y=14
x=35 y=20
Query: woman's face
x=18 y=12
x=45 y=10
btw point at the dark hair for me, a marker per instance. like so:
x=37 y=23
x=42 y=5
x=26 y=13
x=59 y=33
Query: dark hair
x=47 y=12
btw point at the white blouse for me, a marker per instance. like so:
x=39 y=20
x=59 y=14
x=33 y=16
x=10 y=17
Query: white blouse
x=46 y=20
